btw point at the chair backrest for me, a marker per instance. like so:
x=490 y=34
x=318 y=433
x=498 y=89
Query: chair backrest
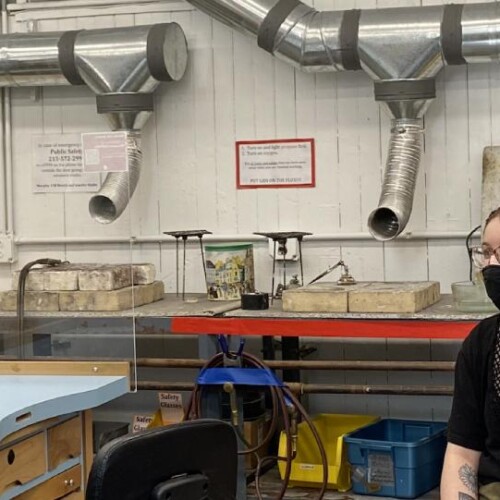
x=152 y=464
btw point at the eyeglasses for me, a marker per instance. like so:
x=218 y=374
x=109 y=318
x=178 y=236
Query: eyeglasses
x=481 y=255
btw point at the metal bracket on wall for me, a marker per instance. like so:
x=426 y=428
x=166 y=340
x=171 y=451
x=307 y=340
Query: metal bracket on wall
x=7 y=249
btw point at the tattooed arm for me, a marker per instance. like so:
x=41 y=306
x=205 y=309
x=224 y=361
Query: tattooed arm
x=459 y=478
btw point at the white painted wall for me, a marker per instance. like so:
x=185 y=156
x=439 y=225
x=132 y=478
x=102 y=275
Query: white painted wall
x=234 y=91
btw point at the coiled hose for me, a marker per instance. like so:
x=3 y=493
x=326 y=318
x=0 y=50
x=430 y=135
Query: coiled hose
x=279 y=395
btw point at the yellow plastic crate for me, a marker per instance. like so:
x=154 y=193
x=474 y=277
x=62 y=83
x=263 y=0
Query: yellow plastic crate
x=307 y=469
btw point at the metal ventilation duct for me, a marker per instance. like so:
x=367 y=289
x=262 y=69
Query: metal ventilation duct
x=122 y=66
x=401 y=49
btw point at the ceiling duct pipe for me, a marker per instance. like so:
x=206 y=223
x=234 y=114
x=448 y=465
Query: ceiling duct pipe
x=402 y=49
x=122 y=66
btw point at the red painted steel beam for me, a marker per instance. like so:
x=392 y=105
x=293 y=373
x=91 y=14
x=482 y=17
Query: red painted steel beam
x=398 y=329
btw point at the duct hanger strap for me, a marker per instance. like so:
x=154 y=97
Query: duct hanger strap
x=451 y=34
x=349 y=39
x=124 y=103
x=66 y=49
x=405 y=90
x=272 y=23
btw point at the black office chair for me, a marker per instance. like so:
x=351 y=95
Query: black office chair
x=189 y=461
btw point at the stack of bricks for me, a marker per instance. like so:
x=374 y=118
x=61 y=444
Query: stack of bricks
x=363 y=297
x=86 y=287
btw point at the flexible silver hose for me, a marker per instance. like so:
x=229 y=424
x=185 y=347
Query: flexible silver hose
x=115 y=193
x=396 y=200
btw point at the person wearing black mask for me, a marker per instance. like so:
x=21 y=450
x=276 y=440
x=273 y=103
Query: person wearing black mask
x=472 y=462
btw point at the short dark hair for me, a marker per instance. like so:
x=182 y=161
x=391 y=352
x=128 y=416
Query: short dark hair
x=493 y=214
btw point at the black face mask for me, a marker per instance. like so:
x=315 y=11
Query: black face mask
x=491 y=275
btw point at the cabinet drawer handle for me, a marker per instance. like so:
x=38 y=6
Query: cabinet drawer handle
x=69 y=482
x=11 y=456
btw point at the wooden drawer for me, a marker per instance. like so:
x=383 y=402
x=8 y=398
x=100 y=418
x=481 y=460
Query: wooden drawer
x=57 y=487
x=64 y=441
x=22 y=462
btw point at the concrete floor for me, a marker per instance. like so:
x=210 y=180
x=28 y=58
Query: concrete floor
x=270 y=486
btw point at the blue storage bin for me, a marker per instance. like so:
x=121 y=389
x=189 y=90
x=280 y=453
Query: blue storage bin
x=396 y=458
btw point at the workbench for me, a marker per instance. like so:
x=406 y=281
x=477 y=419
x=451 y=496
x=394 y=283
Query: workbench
x=198 y=316
x=46 y=447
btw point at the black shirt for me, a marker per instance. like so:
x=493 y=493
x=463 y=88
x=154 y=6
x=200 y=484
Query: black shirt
x=475 y=416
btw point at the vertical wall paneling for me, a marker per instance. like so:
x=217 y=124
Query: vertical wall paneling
x=434 y=158
x=244 y=95
x=176 y=148
x=457 y=149
x=448 y=262
x=289 y=207
x=224 y=125
x=30 y=117
x=205 y=178
x=483 y=86
x=402 y=262
x=315 y=204
x=327 y=164
x=265 y=128
x=177 y=158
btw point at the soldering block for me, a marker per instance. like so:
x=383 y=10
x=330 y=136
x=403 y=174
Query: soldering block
x=318 y=297
x=33 y=301
x=143 y=274
x=393 y=297
x=106 y=277
x=55 y=278
x=34 y=280
x=111 y=300
x=62 y=277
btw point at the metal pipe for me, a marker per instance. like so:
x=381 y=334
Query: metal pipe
x=71 y=240
x=396 y=200
x=8 y=186
x=113 y=60
x=122 y=66
x=417 y=366
x=402 y=49
x=441 y=366
x=298 y=388
x=480 y=25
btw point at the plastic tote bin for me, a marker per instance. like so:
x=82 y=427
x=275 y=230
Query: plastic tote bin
x=307 y=469
x=397 y=458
